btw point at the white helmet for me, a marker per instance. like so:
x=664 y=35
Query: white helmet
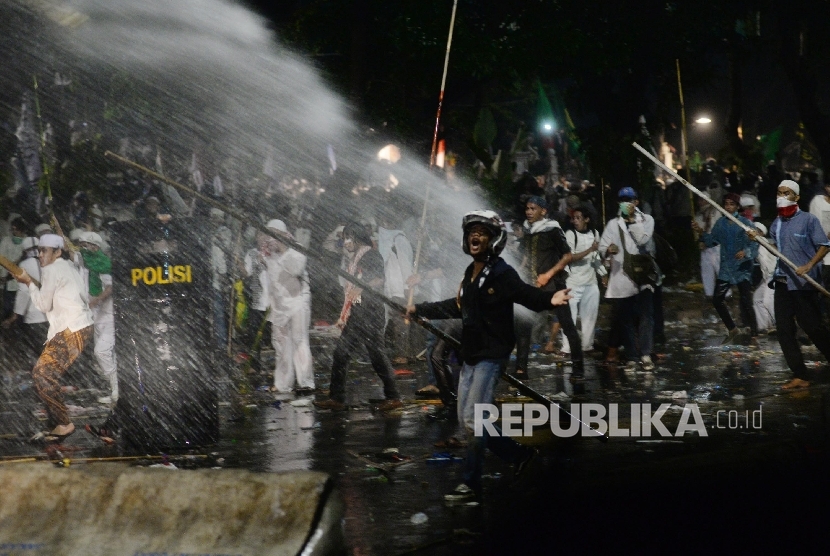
x=493 y=222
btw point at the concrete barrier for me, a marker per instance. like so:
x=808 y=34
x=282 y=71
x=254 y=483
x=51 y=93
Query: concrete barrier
x=114 y=509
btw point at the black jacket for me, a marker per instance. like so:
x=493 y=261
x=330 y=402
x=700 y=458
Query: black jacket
x=544 y=249
x=485 y=307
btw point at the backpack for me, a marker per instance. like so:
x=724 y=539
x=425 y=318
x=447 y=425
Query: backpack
x=641 y=267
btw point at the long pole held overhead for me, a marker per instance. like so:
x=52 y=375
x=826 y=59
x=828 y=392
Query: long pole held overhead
x=522 y=387
x=433 y=152
x=764 y=243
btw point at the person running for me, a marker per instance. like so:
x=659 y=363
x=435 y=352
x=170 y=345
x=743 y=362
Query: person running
x=362 y=320
x=65 y=301
x=484 y=304
x=737 y=254
x=800 y=238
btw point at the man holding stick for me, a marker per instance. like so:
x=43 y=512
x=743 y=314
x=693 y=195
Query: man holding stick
x=737 y=254
x=65 y=301
x=484 y=304
x=800 y=238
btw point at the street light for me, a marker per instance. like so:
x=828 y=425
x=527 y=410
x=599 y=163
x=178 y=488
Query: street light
x=703 y=120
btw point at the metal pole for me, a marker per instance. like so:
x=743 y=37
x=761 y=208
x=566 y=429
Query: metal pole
x=764 y=243
x=433 y=152
x=522 y=387
x=602 y=190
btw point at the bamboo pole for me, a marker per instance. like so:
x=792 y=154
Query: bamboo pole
x=433 y=152
x=762 y=241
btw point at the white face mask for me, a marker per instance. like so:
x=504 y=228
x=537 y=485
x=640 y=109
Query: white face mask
x=783 y=202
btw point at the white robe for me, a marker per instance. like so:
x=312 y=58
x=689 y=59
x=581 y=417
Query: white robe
x=290 y=298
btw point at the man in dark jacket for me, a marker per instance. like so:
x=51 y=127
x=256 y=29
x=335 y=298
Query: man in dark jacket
x=362 y=320
x=485 y=306
x=546 y=257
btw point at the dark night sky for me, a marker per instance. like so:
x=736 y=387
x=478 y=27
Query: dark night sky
x=768 y=98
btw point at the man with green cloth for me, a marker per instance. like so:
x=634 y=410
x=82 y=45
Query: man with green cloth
x=98 y=268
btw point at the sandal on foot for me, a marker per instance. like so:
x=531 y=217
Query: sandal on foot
x=796 y=384
x=105 y=436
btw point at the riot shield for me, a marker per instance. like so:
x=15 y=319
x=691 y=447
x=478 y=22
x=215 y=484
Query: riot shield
x=162 y=290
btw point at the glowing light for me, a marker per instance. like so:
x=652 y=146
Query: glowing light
x=389 y=153
x=703 y=120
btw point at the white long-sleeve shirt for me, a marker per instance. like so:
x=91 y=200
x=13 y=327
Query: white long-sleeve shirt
x=63 y=297
x=639 y=238
x=288 y=285
x=23 y=305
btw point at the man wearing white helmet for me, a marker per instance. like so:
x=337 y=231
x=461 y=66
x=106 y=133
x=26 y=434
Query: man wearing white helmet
x=99 y=282
x=290 y=316
x=64 y=300
x=484 y=304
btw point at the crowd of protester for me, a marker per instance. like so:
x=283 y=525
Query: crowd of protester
x=562 y=234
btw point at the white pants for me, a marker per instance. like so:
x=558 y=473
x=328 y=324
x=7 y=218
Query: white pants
x=709 y=267
x=105 y=354
x=585 y=304
x=763 y=303
x=293 y=352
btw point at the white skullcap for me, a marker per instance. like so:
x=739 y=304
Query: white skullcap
x=277 y=225
x=51 y=240
x=747 y=201
x=792 y=185
x=91 y=237
x=75 y=234
x=760 y=227
x=41 y=229
x=28 y=243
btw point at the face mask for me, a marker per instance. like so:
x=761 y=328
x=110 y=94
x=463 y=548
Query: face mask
x=17 y=240
x=626 y=209
x=786 y=208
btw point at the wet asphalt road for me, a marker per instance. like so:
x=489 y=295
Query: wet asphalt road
x=743 y=487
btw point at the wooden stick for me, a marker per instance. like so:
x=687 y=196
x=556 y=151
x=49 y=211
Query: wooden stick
x=422 y=229
x=15 y=270
x=764 y=243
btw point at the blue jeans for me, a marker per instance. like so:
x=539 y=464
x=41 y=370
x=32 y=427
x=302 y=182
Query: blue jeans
x=476 y=385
